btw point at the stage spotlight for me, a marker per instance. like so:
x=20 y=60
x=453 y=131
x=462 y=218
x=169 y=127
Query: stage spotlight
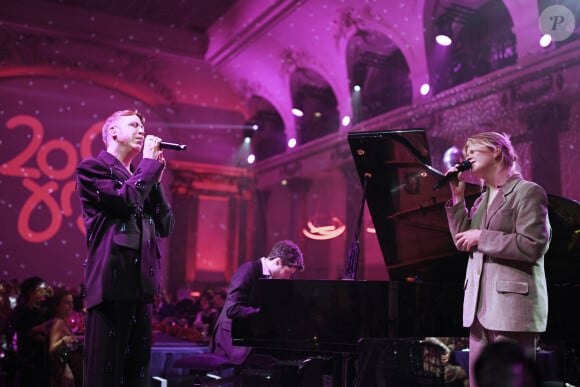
x=249 y=131
x=297 y=112
x=291 y=142
x=443 y=40
x=545 y=40
x=251 y=158
x=356 y=88
x=425 y=88
x=345 y=120
x=444 y=30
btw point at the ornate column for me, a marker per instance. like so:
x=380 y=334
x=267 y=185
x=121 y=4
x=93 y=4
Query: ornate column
x=212 y=209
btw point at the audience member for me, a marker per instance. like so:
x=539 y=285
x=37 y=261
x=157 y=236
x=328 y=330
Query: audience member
x=162 y=307
x=452 y=372
x=282 y=262
x=31 y=347
x=505 y=364
x=185 y=311
x=64 y=357
x=207 y=316
x=5 y=307
x=219 y=298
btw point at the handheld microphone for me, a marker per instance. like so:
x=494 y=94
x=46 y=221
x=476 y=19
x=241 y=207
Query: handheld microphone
x=465 y=165
x=172 y=146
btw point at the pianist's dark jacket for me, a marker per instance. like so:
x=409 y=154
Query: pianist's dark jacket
x=236 y=306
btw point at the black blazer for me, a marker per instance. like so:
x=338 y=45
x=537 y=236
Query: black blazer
x=124 y=215
x=236 y=306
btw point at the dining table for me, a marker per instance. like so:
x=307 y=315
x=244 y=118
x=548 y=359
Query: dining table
x=166 y=349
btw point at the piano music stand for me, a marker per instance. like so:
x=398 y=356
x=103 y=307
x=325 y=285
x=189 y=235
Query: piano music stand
x=353 y=254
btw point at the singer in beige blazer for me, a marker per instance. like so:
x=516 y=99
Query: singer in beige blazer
x=506 y=233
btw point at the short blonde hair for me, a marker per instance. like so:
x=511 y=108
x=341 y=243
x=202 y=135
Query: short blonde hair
x=493 y=141
x=112 y=120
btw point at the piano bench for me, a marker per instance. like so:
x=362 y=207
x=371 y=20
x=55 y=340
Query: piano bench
x=209 y=369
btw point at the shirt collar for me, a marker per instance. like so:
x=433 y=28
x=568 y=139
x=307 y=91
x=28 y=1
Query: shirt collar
x=265 y=270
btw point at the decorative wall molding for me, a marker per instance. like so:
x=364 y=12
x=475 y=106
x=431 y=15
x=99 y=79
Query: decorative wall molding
x=33 y=50
x=232 y=33
x=350 y=20
x=192 y=178
x=49 y=19
x=292 y=59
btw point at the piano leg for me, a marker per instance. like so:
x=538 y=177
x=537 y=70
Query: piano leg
x=345 y=364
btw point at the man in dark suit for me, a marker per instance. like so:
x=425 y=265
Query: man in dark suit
x=283 y=261
x=124 y=211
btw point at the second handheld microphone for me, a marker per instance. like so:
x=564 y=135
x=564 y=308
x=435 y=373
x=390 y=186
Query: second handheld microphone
x=465 y=165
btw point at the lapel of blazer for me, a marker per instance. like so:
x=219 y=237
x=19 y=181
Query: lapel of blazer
x=502 y=196
x=478 y=211
x=115 y=166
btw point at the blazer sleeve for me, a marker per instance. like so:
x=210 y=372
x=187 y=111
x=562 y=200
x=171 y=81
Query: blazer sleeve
x=239 y=294
x=526 y=232
x=457 y=217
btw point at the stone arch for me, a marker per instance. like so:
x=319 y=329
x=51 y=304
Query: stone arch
x=314 y=97
x=482 y=42
x=265 y=127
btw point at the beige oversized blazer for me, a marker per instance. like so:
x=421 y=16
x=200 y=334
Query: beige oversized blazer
x=505 y=283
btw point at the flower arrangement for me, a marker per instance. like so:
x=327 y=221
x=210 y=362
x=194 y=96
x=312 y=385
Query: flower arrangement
x=181 y=331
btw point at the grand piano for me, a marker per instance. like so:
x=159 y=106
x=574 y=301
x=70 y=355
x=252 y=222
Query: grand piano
x=425 y=292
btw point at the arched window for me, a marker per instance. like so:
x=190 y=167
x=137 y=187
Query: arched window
x=379 y=75
x=481 y=42
x=314 y=106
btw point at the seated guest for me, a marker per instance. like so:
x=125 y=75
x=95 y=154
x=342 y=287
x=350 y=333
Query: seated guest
x=453 y=372
x=283 y=261
x=65 y=360
x=29 y=312
x=162 y=307
x=219 y=298
x=185 y=312
x=206 y=318
x=505 y=364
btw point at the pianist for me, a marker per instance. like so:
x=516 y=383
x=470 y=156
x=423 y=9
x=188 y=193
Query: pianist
x=506 y=233
x=283 y=261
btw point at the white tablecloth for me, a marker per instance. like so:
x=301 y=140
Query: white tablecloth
x=166 y=350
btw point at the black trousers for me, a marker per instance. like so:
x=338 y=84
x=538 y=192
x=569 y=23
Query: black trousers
x=117 y=345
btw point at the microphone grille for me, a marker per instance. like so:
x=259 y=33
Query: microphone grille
x=465 y=165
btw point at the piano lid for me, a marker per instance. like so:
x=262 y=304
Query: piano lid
x=409 y=216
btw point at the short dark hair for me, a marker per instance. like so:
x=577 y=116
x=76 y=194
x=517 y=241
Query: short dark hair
x=28 y=286
x=54 y=301
x=289 y=253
